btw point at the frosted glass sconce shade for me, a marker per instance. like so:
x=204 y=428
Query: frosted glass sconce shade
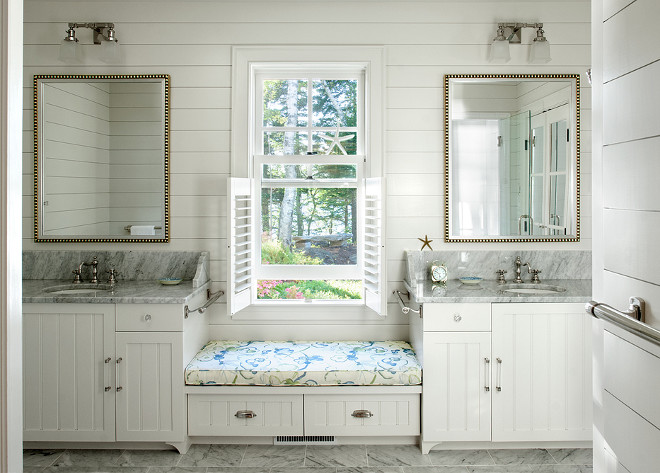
x=110 y=52
x=69 y=51
x=539 y=52
x=499 y=52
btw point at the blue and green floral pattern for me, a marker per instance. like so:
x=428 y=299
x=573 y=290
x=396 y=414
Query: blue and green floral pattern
x=259 y=363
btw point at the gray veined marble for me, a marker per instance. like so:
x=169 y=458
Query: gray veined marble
x=213 y=455
x=530 y=469
x=238 y=469
x=434 y=469
x=148 y=458
x=41 y=457
x=88 y=458
x=534 y=456
x=461 y=457
x=572 y=456
x=370 y=469
x=274 y=456
x=336 y=455
x=554 y=264
x=396 y=455
x=129 y=265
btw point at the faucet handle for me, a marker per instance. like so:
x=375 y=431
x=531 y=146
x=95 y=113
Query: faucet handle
x=500 y=276
x=76 y=278
x=535 y=275
x=113 y=276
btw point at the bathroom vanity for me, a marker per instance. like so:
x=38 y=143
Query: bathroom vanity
x=502 y=366
x=106 y=364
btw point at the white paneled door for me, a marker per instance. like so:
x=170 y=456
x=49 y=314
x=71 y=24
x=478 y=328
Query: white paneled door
x=68 y=381
x=149 y=387
x=541 y=372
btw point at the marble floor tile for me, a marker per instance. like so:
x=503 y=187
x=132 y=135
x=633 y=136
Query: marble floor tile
x=40 y=457
x=88 y=458
x=177 y=469
x=33 y=469
x=370 y=469
x=304 y=469
x=526 y=469
x=95 y=469
x=396 y=455
x=213 y=455
x=524 y=456
x=238 y=469
x=274 y=455
x=460 y=457
x=435 y=469
x=572 y=456
x=148 y=458
x=336 y=455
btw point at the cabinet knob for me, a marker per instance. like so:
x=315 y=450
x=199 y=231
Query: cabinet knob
x=147 y=317
x=457 y=317
x=245 y=414
x=362 y=414
x=107 y=360
x=107 y=388
x=119 y=388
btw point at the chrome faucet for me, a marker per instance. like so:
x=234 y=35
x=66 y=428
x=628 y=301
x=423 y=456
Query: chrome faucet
x=95 y=269
x=518 y=262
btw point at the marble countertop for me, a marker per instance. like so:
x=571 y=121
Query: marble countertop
x=577 y=290
x=123 y=292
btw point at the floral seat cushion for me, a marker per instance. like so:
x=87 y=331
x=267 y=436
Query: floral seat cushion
x=268 y=363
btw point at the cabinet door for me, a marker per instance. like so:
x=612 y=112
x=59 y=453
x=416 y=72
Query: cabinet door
x=457 y=384
x=68 y=362
x=150 y=399
x=541 y=372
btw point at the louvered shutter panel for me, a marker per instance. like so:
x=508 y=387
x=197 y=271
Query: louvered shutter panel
x=375 y=280
x=240 y=244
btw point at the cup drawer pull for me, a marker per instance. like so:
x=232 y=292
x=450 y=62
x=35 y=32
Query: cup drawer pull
x=362 y=414
x=245 y=414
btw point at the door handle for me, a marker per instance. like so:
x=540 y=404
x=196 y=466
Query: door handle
x=119 y=388
x=106 y=374
x=498 y=382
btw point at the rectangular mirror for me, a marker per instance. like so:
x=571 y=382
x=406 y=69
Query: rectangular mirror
x=512 y=162
x=101 y=158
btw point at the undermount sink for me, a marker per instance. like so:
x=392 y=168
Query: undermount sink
x=77 y=289
x=531 y=288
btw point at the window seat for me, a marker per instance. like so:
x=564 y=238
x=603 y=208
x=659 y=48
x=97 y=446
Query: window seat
x=304 y=363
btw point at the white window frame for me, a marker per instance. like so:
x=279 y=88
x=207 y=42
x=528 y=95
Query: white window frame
x=248 y=63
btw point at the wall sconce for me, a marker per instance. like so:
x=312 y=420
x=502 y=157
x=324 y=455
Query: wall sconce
x=103 y=34
x=510 y=33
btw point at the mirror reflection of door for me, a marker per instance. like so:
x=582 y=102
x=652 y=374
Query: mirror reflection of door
x=549 y=172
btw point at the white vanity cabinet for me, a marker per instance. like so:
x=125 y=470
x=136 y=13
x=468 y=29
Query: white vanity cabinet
x=542 y=372
x=69 y=372
x=504 y=372
x=106 y=372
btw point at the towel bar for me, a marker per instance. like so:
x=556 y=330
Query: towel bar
x=404 y=308
x=128 y=228
x=631 y=320
x=210 y=299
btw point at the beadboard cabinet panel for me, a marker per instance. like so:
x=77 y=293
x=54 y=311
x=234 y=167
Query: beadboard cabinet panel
x=65 y=349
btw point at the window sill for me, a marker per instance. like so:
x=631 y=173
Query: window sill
x=322 y=311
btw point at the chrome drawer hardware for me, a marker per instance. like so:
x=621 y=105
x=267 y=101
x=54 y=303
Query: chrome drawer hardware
x=486 y=373
x=404 y=308
x=457 y=317
x=147 y=317
x=245 y=414
x=362 y=414
x=107 y=388
x=498 y=385
x=106 y=361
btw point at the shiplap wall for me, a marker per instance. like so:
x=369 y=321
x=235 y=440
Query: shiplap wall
x=630 y=154
x=192 y=42
x=76 y=144
x=136 y=155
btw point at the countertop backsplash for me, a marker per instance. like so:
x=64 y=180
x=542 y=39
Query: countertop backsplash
x=129 y=265
x=560 y=264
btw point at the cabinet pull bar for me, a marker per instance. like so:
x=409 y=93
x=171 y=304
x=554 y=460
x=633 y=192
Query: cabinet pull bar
x=119 y=360
x=106 y=375
x=486 y=374
x=498 y=386
x=245 y=414
x=362 y=414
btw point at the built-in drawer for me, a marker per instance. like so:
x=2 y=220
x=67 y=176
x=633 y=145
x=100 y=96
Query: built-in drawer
x=362 y=414
x=149 y=317
x=239 y=415
x=457 y=317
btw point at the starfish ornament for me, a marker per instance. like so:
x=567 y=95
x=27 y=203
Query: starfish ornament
x=426 y=242
x=336 y=141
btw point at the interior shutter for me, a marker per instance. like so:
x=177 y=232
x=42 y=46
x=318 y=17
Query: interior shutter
x=375 y=280
x=240 y=244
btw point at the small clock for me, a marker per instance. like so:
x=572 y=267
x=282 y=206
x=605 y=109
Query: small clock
x=438 y=272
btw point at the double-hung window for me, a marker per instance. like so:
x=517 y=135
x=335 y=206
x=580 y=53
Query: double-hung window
x=306 y=228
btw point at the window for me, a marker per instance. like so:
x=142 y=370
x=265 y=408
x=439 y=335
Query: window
x=307 y=226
